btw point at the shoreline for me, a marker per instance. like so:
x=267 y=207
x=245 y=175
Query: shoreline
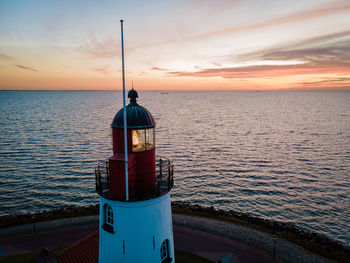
x=314 y=242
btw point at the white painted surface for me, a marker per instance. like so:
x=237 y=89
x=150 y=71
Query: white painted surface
x=136 y=223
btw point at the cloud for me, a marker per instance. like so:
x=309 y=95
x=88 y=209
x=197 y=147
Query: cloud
x=217 y=64
x=250 y=71
x=332 y=50
x=102 y=70
x=102 y=48
x=160 y=69
x=261 y=71
x=325 y=54
x=326 y=48
x=111 y=46
x=327 y=81
x=311 y=13
x=6 y=57
x=25 y=67
x=295 y=17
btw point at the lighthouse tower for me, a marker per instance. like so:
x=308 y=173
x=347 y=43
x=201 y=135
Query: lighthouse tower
x=135 y=227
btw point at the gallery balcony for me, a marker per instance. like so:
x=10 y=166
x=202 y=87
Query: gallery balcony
x=140 y=188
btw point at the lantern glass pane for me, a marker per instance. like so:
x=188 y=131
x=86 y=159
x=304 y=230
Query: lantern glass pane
x=149 y=138
x=138 y=140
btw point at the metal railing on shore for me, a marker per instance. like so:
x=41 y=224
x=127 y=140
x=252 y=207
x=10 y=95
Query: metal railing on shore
x=162 y=184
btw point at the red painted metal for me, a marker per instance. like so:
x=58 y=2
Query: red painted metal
x=118 y=140
x=146 y=170
x=142 y=168
x=117 y=176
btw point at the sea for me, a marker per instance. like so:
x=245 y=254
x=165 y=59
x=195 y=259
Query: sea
x=277 y=155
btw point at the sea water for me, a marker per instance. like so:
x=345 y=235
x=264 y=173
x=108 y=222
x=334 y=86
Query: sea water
x=279 y=155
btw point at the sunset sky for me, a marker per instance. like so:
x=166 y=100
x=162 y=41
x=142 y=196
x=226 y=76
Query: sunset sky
x=175 y=45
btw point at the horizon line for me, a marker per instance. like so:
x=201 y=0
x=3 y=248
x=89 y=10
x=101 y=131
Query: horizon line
x=191 y=90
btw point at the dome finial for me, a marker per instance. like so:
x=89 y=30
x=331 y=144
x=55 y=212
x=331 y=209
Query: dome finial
x=132 y=94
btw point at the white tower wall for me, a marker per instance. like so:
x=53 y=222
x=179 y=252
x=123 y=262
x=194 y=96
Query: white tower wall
x=139 y=228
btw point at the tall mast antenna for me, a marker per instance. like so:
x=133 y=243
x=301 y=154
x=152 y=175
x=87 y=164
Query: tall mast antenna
x=124 y=117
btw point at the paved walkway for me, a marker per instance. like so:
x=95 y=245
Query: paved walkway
x=52 y=239
x=194 y=241
x=237 y=235
x=214 y=247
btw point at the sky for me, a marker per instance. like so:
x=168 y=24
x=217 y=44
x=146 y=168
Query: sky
x=175 y=45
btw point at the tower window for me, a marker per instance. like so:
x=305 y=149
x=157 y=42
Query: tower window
x=108 y=218
x=164 y=252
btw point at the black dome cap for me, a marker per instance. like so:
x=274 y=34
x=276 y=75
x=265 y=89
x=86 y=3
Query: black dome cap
x=132 y=94
x=137 y=116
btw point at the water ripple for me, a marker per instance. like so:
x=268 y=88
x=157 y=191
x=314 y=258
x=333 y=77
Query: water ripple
x=277 y=155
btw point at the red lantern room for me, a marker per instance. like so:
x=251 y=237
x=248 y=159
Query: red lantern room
x=147 y=177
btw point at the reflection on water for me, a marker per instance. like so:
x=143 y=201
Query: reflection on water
x=277 y=155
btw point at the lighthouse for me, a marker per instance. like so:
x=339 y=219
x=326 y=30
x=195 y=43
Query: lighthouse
x=135 y=210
